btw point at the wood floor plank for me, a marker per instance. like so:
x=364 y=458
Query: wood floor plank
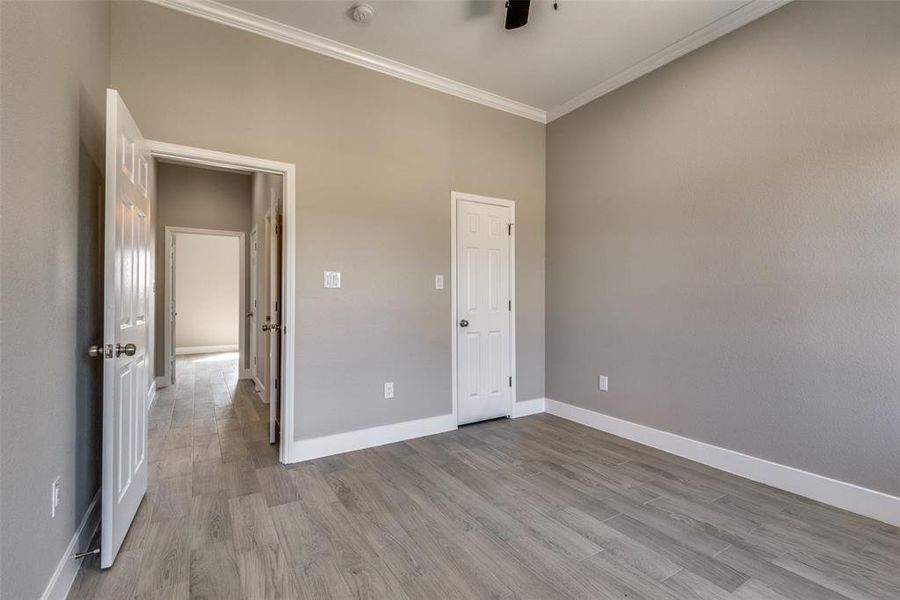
x=251 y=522
x=536 y=507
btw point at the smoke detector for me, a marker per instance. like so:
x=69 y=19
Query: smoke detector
x=362 y=12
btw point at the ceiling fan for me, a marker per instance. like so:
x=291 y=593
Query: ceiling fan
x=517 y=12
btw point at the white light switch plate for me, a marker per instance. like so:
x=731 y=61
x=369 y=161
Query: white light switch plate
x=388 y=390
x=332 y=279
x=438 y=282
x=603 y=383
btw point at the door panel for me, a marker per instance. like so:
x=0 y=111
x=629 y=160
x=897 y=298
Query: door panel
x=254 y=310
x=484 y=327
x=275 y=333
x=126 y=378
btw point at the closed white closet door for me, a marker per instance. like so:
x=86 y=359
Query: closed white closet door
x=483 y=311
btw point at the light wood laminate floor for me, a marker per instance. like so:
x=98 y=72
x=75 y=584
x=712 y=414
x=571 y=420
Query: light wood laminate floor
x=536 y=507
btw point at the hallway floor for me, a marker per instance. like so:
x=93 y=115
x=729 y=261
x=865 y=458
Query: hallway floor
x=536 y=507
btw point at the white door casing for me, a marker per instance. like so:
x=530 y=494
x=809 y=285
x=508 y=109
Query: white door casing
x=483 y=322
x=127 y=289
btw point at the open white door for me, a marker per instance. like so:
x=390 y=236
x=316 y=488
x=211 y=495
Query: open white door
x=275 y=328
x=127 y=281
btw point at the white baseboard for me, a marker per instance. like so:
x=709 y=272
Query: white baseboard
x=260 y=389
x=206 y=349
x=860 y=500
x=161 y=382
x=245 y=374
x=153 y=394
x=529 y=407
x=64 y=576
x=367 y=438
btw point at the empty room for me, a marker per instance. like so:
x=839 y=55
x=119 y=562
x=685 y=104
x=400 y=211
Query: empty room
x=451 y=299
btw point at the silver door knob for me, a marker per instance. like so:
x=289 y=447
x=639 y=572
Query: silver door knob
x=127 y=349
x=463 y=323
x=96 y=351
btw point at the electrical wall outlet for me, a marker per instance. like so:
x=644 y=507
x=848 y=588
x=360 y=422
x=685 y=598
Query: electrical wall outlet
x=54 y=497
x=603 y=383
x=438 y=282
x=388 y=390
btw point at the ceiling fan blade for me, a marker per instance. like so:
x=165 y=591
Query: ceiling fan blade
x=517 y=13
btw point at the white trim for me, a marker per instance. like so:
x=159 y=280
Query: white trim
x=529 y=407
x=860 y=500
x=245 y=374
x=368 y=438
x=67 y=569
x=235 y=162
x=161 y=382
x=206 y=349
x=455 y=197
x=241 y=347
x=733 y=20
x=239 y=19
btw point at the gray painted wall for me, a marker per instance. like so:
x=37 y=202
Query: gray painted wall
x=724 y=244
x=376 y=160
x=54 y=61
x=199 y=198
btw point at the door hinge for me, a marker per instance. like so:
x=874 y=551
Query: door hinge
x=510 y=381
x=510 y=305
x=277 y=229
x=276 y=383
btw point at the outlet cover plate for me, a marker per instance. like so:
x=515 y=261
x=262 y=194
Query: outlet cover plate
x=603 y=383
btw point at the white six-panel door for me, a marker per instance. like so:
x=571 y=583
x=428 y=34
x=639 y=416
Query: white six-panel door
x=483 y=311
x=128 y=278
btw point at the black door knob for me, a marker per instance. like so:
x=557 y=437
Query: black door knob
x=463 y=323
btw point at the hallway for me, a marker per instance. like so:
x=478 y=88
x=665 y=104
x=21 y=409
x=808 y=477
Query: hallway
x=208 y=435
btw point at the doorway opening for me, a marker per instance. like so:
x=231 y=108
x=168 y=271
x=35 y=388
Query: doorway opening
x=219 y=304
x=206 y=296
x=266 y=346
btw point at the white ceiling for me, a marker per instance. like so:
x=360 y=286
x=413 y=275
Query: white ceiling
x=558 y=61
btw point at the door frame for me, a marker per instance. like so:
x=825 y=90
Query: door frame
x=243 y=350
x=455 y=197
x=188 y=155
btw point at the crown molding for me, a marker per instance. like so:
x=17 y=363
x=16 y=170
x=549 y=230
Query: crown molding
x=239 y=19
x=733 y=20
